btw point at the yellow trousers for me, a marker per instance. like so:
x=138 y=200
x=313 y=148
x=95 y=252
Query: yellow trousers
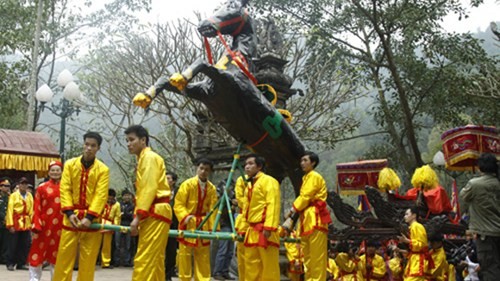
x=149 y=261
x=240 y=254
x=414 y=278
x=315 y=250
x=262 y=264
x=201 y=256
x=106 y=249
x=87 y=243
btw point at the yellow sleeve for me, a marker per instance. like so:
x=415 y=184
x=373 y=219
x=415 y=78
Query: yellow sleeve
x=117 y=214
x=395 y=267
x=361 y=266
x=30 y=206
x=379 y=269
x=148 y=175
x=9 y=218
x=66 y=186
x=100 y=197
x=335 y=269
x=239 y=193
x=309 y=189
x=180 y=209
x=273 y=204
x=332 y=268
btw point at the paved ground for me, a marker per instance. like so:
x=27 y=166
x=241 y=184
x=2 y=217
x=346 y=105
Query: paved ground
x=114 y=274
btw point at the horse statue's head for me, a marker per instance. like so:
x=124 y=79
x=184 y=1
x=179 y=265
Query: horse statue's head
x=232 y=18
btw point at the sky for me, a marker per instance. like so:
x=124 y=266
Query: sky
x=479 y=18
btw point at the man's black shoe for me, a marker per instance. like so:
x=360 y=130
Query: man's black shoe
x=228 y=276
x=22 y=267
x=10 y=267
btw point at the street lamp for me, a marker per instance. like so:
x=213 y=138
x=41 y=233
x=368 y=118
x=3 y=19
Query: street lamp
x=65 y=108
x=438 y=159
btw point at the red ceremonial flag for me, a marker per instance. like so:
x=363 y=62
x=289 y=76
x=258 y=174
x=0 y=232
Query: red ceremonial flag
x=454 y=200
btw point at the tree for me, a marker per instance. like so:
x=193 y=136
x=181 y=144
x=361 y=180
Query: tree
x=64 y=27
x=415 y=69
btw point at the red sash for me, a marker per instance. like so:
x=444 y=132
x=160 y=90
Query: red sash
x=322 y=211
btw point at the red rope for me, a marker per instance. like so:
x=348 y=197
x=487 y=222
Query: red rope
x=238 y=62
x=259 y=140
x=209 y=51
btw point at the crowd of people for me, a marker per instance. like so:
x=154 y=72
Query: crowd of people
x=55 y=225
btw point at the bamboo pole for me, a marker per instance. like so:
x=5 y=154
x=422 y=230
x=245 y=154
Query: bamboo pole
x=187 y=233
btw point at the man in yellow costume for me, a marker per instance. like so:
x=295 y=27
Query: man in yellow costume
x=347 y=263
x=110 y=215
x=18 y=222
x=241 y=224
x=314 y=218
x=332 y=268
x=441 y=267
x=194 y=199
x=418 y=256
x=84 y=192
x=153 y=213
x=371 y=265
x=263 y=217
x=295 y=259
x=396 y=263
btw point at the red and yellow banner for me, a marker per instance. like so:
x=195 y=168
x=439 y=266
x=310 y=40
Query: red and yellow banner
x=352 y=177
x=463 y=145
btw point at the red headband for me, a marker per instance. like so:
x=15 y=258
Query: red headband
x=55 y=163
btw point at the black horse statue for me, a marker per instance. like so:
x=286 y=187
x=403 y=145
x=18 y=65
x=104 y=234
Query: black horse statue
x=232 y=95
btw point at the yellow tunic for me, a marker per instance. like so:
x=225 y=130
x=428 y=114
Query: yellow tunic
x=152 y=190
x=263 y=211
x=311 y=203
x=190 y=200
x=417 y=264
x=333 y=269
x=111 y=214
x=19 y=211
x=440 y=270
x=378 y=267
x=348 y=268
x=240 y=192
x=396 y=268
x=84 y=191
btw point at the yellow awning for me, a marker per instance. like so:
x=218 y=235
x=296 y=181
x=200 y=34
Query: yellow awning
x=39 y=164
x=26 y=151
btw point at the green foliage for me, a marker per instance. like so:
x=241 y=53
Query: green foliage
x=419 y=73
x=12 y=104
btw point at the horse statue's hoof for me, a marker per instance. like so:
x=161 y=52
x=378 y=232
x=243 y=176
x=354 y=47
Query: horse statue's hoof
x=142 y=100
x=179 y=81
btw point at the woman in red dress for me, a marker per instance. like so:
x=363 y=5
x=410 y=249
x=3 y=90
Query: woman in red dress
x=47 y=222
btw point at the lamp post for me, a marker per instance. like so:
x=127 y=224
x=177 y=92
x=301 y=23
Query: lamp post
x=65 y=108
x=440 y=163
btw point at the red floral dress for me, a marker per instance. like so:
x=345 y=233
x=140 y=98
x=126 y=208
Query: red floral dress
x=47 y=223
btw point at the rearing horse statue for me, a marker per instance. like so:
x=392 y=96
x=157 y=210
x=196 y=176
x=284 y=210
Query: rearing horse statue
x=232 y=95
